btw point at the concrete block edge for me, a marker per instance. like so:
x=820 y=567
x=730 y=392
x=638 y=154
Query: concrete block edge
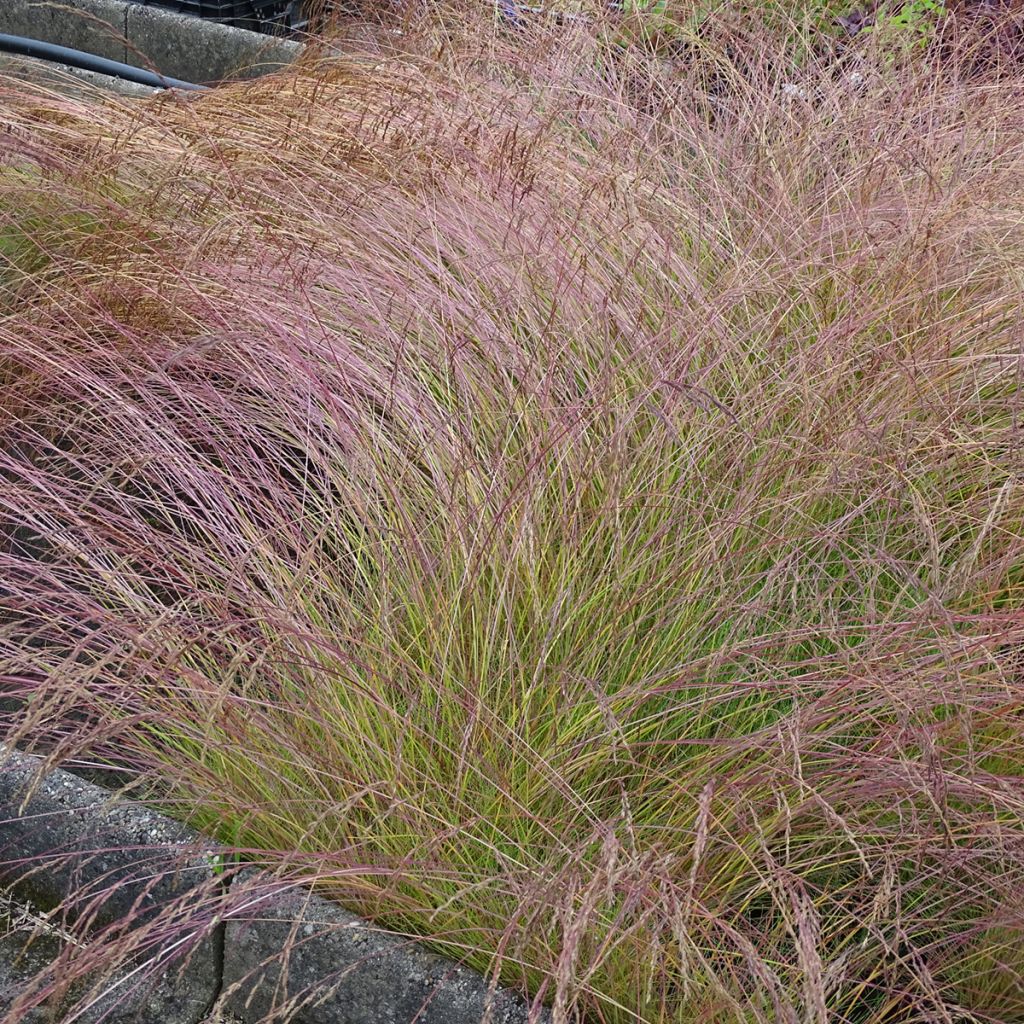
x=341 y=969
x=177 y=45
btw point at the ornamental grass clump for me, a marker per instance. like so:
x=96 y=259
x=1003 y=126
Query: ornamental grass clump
x=567 y=509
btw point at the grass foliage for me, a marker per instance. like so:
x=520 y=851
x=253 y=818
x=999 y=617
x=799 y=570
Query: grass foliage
x=564 y=500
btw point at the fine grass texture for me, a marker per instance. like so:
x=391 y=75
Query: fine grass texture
x=564 y=500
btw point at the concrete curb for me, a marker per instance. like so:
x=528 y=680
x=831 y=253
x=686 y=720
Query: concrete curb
x=62 y=838
x=119 y=997
x=65 y=842
x=177 y=45
x=104 y=844
x=71 y=81
x=346 y=970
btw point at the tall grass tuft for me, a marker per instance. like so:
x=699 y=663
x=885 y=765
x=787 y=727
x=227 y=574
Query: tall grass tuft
x=563 y=499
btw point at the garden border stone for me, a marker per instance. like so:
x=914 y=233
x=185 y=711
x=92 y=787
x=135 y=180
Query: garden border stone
x=71 y=81
x=60 y=834
x=341 y=969
x=64 y=837
x=178 y=45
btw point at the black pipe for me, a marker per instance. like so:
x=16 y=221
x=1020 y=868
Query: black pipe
x=90 y=62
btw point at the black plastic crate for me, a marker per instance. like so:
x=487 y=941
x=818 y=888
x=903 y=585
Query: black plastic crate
x=277 y=17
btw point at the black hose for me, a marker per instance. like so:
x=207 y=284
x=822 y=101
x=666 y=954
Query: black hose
x=90 y=62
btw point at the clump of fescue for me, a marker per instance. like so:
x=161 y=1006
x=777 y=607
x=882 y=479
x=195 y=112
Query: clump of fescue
x=567 y=505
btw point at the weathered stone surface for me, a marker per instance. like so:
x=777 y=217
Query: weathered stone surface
x=62 y=835
x=175 y=997
x=121 y=998
x=70 y=81
x=20 y=962
x=202 y=52
x=311 y=962
x=98 y=27
x=177 y=45
x=296 y=956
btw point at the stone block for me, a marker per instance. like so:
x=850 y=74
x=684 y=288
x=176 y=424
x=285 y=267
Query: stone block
x=96 y=26
x=62 y=836
x=121 y=997
x=308 y=961
x=201 y=51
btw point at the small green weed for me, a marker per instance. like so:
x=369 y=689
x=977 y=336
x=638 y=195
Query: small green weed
x=912 y=23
